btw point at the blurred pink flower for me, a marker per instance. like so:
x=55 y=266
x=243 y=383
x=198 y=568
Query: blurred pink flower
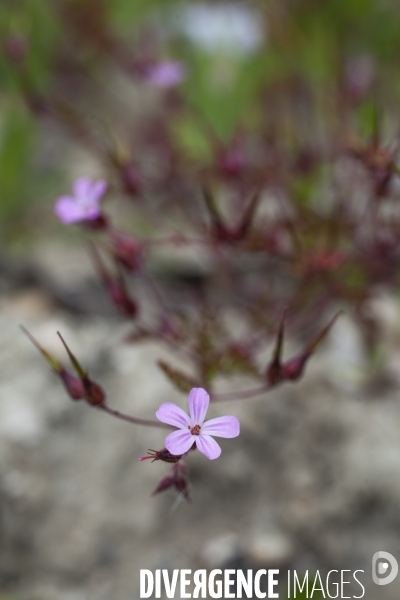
x=192 y=429
x=165 y=74
x=84 y=205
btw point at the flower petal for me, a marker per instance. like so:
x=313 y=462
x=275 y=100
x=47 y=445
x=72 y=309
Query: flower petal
x=166 y=74
x=82 y=188
x=97 y=191
x=208 y=446
x=179 y=442
x=198 y=405
x=68 y=211
x=226 y=427
x=172 y=414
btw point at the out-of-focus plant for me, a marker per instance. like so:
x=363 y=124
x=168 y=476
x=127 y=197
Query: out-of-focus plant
x=267 y=155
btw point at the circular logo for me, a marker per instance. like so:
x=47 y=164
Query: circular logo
x=384 y=568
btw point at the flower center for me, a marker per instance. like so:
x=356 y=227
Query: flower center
x=196 y=430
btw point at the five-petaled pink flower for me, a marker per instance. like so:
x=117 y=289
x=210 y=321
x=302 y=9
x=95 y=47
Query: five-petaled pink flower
x=192 y=429
x=165 y=74
x=84 y=205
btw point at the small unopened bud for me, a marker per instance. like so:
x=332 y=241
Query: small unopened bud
x=94 y=393
x=163 y=455
x=131 y=180
x=127 y=251
x=121 y=300
x=275 y=372
x=73 y=385
x=115 y=288
x=178 y=480
x=164 y=484
x=231 y=164
x=294 y=368
x=98 y=224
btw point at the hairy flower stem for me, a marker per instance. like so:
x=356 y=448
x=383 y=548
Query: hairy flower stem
x=131 y=419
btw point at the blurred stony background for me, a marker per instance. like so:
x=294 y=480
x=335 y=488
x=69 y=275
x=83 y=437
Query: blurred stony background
x=311 y=483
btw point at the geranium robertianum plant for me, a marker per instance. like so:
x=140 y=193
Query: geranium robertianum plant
x=277 y=175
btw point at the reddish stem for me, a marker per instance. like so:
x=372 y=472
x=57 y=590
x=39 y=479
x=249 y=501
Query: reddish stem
x=131 y=419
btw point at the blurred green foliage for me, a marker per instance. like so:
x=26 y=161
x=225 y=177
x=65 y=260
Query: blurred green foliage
x=224 y=89
x=29 y=32
x=127 y=14
x=16 y=150
x=34 y=25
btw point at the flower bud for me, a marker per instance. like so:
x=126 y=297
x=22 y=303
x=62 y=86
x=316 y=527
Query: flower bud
x=178 y=480
x=275 y=372
x=163 y=455
x=127 y=251
x=94 y=393
x=73 y=385
x=121 y=300
x=131 y=180
x=98 y=224
x=293 y=368
x=231 y=164
x=115 y=288
x=164 y=484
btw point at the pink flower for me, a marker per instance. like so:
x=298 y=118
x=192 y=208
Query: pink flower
x=192 y=429
x=165 y=74
x=84 y=205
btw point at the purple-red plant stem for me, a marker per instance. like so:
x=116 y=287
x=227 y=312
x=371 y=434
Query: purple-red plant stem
x=130 y=419
x=151 y=285
x=176 y=240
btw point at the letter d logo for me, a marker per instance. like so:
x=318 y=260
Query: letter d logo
x=380 y=568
